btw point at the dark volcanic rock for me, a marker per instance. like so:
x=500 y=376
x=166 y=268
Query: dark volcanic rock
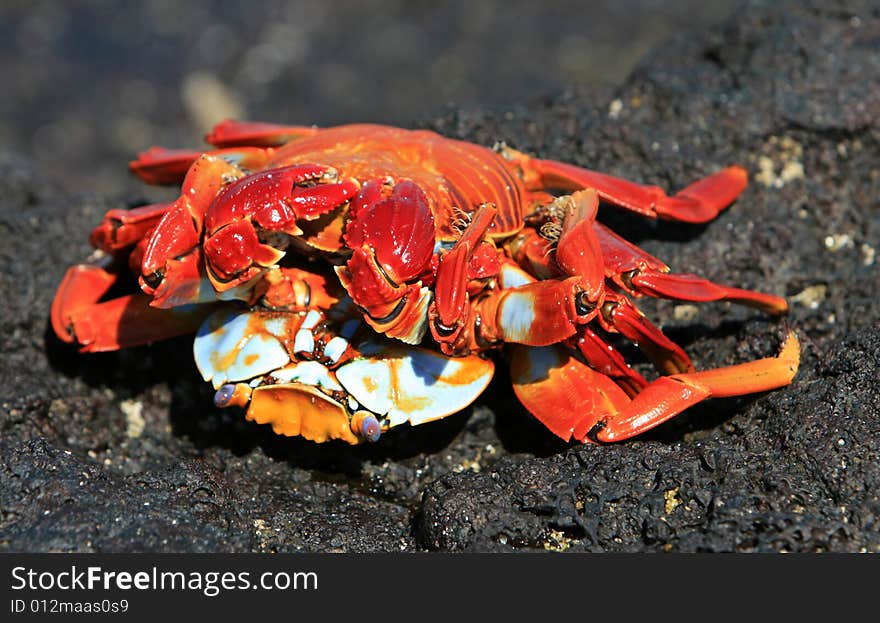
x=804 y=475
x=122 y=451
x=74 y=505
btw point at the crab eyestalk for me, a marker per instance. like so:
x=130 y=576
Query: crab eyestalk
x=232 y=395
x=365 y=425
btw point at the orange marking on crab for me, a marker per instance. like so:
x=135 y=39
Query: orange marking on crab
x=370 y=384
x=299 y=410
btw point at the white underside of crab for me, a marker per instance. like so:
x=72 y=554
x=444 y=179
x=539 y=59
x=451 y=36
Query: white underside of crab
x=396 y=382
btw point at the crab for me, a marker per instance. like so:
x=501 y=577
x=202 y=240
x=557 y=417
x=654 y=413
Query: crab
x=347 y=280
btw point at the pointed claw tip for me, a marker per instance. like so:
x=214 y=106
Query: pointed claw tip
x=791 y=351
x=739 y=171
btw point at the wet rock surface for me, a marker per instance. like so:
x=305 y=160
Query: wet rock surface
x=124 y=452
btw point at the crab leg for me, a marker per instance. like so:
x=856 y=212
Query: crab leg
x=600 y=355
x=686 y=287
x=121 y=229
x=249 y=145
x=535 y=313
x=160 y=166
x=668 y=396
x=576 y=402
x=698 y=203
x=620 y=315
x=538 y=313
x=230 y=133
x=640 y=273
x=562 y=392
x=78 y=317
x=604 y=358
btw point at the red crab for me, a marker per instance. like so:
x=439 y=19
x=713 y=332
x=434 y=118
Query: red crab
x=338 y=250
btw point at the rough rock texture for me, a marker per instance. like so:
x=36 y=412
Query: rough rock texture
x=122 y=451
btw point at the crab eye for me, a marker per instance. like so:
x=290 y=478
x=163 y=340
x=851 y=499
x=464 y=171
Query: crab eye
x=224 y=395
x=370 y=429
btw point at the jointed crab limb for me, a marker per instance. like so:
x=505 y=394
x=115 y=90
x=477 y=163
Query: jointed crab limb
x=604 y=358
x=562 y=392
x=79 y=318
x=230 y=133
x=686 y=287
x=160 y=166
x=698 y=203
x=639 y=273
x=577 y=402
x=536 y=313
x=621 y=316
x=121 y=229
x=578 y=252
x=668 y=396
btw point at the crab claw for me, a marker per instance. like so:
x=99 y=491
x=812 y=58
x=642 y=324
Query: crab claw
x=235 y=254
x=170 y=268
x=391 y=233
x=399 y=226
x=261 y=360
x=247 y=226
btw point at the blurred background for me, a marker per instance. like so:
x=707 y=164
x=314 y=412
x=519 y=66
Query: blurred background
x=87 y=84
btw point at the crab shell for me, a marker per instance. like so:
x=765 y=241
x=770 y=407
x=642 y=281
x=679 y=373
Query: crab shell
x=267 y=191
x=469 y=175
